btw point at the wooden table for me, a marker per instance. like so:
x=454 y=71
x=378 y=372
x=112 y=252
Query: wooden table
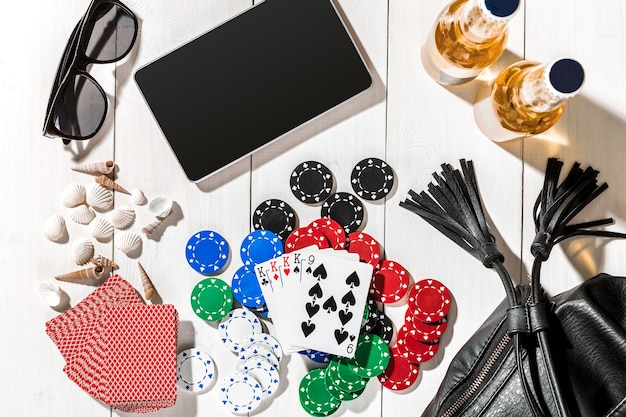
x=405 y=118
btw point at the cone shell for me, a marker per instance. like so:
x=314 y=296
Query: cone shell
x=161 y=206
x=50 y=293
x=101 y=229
x=128 y=242
x=82 y=274
x=82 y=214
x=138 y=197
x=73 y=195
x=103 y=262
x=99 y=197
x=82 y=251
x=96 y=168
x=123 y=217
x=110 y=184
x=54 y=229
x=148 y=287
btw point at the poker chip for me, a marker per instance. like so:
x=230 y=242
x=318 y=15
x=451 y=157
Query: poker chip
x=314 y=395
x=263 y=339
x=211 y=299
x=333 y=385
x=371 y=356
x=373 y=315
x=384 y=328
x=414 y=350
x=195 y=370
x=311 y=182
x=246 y=288
x=340 y=375
x=264 y=372
x=429 y=300
x=304 y=237
x=259 y=349
x=260 y=246
x=333 y=231
x=372 y=179
x=240 y=393
x=365 y=246
x=207 y=252
x=426 y=332
x=400 y=374
x=276 y=216
x=346 y=209
x=390 y=282
x=237 y=326
x=316 y=355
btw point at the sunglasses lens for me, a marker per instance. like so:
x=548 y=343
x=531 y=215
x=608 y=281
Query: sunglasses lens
x=81 y=108
x=110 y=33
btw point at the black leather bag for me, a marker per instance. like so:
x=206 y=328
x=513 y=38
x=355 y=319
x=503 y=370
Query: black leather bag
x=534 y=355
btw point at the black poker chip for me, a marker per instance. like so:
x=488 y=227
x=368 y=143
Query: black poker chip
x=346 y=209
x=311 y=182
x=276 y=216
x=383 y=328
x=372 y=179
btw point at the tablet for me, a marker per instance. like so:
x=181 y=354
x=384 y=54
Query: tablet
x=250 y=80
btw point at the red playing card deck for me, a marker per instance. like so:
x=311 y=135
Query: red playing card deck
x=119 y=350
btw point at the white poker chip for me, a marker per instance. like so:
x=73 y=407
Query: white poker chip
x=267 y=339
x=263 y=371
x=240 y=393
x=195 y=370
x=238 y=325
x=259 y=349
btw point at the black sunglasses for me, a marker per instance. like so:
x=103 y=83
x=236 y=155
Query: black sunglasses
x=78 y=105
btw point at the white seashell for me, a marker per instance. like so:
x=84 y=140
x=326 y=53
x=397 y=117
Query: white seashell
x=95 y=168
x=138 y=197
x=50 y=293
x=150 y=228
x=82 y=251
x=54 y=228
x=73 y=195
x=161 y=206
x=82 y=214
x=99 y=197
x=128 y=242
x=122 y=218
x=101 y=228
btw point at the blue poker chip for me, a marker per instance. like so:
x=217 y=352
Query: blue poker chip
x=207 y=252
x=260 y=246
x=246 y=288
x=316 y=355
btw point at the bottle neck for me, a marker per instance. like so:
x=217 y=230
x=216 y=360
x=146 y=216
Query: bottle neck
x=479 y=24
x=537 y=92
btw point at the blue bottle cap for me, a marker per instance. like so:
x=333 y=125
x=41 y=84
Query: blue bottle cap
x=502 y=8
x=566 y=75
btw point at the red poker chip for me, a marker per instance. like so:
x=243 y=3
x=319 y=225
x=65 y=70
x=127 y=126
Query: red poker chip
x=390 y=282
x=412 y=349
x=304 y=237
x=400 y=374
x=429 y=300
x=426 y=332
x=333 y=231
x=365 y=246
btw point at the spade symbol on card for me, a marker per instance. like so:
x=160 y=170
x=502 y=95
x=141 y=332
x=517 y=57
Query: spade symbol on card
x=307 y=328
x=308 y=270
x=330 y=305
x=353 y=280
x=340 y=335
x=348 y=298
x=296 y=269
x=312 y=309
x=345 y=316
x=320 y=272
x=316 y=291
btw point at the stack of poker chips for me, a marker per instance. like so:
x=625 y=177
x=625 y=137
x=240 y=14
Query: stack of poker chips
x=119 y=350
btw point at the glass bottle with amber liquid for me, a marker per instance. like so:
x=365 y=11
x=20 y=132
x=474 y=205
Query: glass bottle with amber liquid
x=527 y=98
x=467 y=37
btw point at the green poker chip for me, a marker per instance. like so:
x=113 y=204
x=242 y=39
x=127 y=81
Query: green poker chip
x=211 y=299
x=340 y=376
x=371 y=357
x=315 y=397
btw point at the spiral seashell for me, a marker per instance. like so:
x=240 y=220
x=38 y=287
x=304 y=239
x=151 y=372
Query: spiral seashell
x=128 y=242
x=82 y=274
x=54 y=229
x=149 y=229
x=82 y=251
x=99 y=197
x=96 y=168
x=161 y=206
x=50 y=293
x=148 y=287
x=122 y=218
x=103 y=262
x=82 y=214
x=110 y=184
x=138 y=197
x=73 y=195
x=101 y=229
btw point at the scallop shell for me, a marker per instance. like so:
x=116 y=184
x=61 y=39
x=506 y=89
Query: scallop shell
x=128 y=242
x=99 y=197
x=96 y=168
x=122 y=218
x=82 y=214
x=138 y=197
x=73 y=195
x=101 y=228
x=82 y=251
x=54 y=228
x=50 y=293
x=161 y=206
